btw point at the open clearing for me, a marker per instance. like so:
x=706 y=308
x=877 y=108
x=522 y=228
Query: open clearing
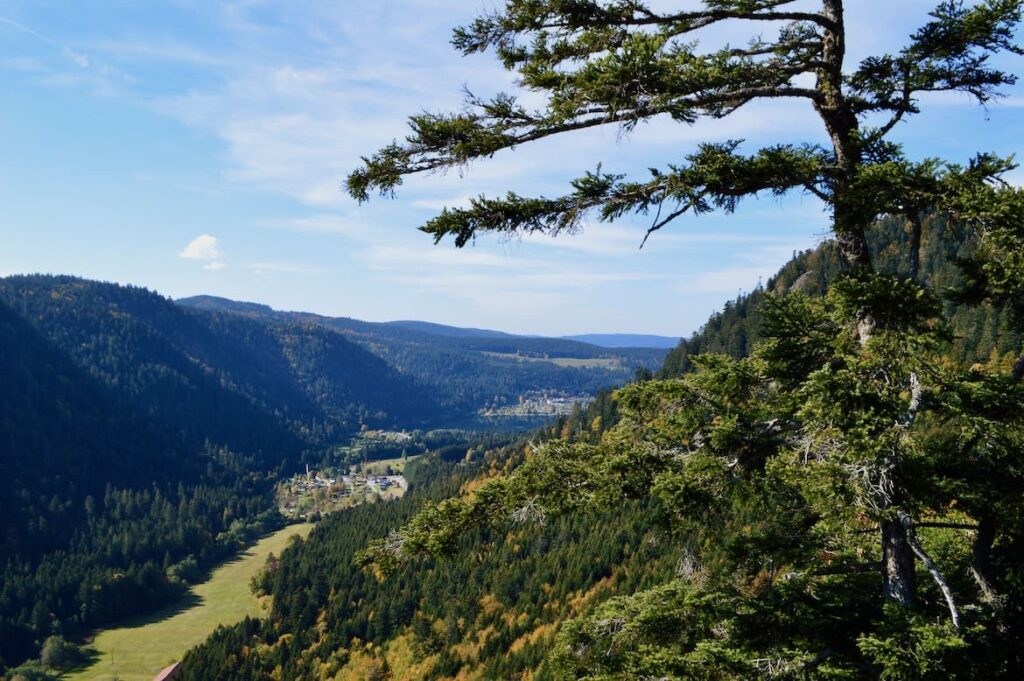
x=140 y=648
x=381 y=466
x=609 y=363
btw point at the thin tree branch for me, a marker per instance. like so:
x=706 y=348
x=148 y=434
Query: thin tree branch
x=915 y=401
x=700 y=19
x=658 y=224
x=904 y=106
x=981 y=567
x=817 y=192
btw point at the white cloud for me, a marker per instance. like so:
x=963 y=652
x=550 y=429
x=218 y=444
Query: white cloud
x=320 y=223
x=203 y=247
x=214 y=266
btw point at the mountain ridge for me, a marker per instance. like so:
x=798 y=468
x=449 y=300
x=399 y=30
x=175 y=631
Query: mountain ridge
x=470 y=372
x=603 y=340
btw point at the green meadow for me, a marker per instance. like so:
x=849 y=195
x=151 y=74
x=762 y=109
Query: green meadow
x=138 y=649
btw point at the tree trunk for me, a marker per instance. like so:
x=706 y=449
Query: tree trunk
x=981 y=566
x=850 y=216
x=899 y=579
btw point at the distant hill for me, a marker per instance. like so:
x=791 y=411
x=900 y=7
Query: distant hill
x=211 y=375
x=224 y=304
x=455 y=331
x=626 y=340
x=469 y=369
x=603 y=340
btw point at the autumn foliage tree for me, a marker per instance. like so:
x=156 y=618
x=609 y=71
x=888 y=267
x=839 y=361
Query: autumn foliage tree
x=805 y=483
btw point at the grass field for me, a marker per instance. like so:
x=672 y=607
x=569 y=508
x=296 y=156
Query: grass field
x=609 y=363
x=140 y=648
x=381 y=467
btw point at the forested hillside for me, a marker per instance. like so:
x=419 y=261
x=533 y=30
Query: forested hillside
x=470 y=369
x=140 y=438
x=139 y=441
x=253 y=386
x=489 y=612
x=980 y=333
x=107 y=511
x=600 y=594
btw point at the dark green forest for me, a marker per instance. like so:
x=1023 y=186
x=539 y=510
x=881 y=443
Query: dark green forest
x=981 y=334
x=141 y=438
x=107 y=511
x=220 y=376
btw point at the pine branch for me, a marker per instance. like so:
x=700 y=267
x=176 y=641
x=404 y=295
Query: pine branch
x=949 y=54
x=716 y=177
x=500 y=30
x=440 y=142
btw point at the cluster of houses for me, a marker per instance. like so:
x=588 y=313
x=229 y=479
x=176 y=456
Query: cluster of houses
x=541 y=403
x=335 y=490
x=391 y=436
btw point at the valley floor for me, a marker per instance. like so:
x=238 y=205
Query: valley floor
x=138 y=650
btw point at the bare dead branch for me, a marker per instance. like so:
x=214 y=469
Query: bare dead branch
x=933 y=569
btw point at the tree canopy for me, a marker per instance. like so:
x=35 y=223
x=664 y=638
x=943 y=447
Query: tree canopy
x=623 y=63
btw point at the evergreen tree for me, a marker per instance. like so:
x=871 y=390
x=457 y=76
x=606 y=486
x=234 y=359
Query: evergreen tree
x=849 y=443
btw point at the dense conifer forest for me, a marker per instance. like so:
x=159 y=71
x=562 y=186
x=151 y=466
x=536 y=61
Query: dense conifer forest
x=981 y=334
x=108 y=512
x=141 y=438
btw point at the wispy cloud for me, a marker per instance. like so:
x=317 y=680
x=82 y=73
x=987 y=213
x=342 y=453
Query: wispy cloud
x=79 y=59
x=435 y=204
x=731 y=280
x=161 y=49
x=393 y=257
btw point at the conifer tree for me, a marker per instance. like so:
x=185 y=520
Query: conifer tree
x=846 y=422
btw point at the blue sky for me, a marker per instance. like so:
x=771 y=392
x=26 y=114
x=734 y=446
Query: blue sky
x=199 y=147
